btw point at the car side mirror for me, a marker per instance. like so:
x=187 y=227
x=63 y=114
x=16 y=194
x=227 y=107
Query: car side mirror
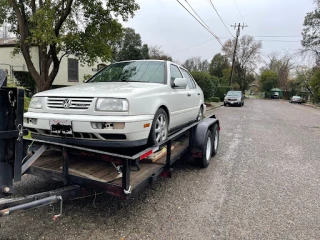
x=180 y=82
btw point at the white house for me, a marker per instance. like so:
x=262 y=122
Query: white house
x=71 y=71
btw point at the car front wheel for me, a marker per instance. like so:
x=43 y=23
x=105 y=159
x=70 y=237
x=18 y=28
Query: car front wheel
x=159 y=128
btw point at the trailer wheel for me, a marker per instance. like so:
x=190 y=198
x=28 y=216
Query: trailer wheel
x=206 y=150
x=215 y=135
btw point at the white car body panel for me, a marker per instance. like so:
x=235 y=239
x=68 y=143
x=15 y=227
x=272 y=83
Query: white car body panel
x=144 y=100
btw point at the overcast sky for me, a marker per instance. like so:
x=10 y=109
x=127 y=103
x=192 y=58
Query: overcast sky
x=166 y=23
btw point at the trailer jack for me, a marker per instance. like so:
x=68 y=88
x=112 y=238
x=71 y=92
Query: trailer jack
x=34 y=204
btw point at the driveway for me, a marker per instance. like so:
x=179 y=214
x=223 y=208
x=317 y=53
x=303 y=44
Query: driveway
x=263 y=184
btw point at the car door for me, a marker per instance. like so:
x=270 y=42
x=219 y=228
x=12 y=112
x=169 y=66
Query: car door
x=178 y=99
x=193 y=96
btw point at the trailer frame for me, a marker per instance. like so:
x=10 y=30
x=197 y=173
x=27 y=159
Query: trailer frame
x=75 y=186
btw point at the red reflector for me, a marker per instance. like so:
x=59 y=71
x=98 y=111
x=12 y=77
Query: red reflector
x=219 y=128
x=143 y=156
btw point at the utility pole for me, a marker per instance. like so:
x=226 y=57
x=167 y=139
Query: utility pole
x=235 y=48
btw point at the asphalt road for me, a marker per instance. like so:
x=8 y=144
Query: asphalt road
x=264 y=183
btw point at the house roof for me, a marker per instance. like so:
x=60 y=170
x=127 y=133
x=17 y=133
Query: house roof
x=276 y=90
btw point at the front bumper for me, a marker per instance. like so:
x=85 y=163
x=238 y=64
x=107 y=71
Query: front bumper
x=135 y=130
x=232 y=102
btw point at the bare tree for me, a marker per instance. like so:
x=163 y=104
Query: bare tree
x=196 y=64
x=248 y=51
x=282 y=64
x=155 y=52
x=246 y=59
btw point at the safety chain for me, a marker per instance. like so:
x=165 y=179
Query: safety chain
x=12 y=99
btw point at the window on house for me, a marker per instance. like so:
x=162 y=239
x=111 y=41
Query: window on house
x=73 y=70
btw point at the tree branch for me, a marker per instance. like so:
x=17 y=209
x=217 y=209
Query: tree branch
x=64 y=14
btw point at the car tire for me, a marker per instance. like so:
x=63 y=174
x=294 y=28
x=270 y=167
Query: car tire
x=224 y=104
x=216 y=138
x=206 y=150
x=159 y=128
x=243 y=104
x=200 y=114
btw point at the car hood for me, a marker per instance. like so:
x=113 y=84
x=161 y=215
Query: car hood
x=106 y=89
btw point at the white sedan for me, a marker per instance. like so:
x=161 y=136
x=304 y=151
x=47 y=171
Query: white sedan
x=127 y=104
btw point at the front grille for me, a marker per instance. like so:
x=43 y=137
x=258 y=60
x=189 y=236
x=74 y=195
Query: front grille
x=76 y=102
x=232 y=99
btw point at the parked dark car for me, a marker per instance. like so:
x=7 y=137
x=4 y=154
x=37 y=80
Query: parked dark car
x=234 y=98
x=295 y=99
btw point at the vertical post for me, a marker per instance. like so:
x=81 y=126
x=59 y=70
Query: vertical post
x=125 y=175
x=19 y=140
x=168 y=160
x=65 y=167
x=235 y=50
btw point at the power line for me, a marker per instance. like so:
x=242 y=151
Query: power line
x=278 y=36
x=202 y=24
x=193 y=46
x=239 y=10
x=220 y=17
x=198 y=15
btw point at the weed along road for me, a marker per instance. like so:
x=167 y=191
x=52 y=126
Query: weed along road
x=263 y=184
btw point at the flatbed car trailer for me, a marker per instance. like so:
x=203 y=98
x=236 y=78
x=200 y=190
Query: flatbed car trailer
x=119 y=172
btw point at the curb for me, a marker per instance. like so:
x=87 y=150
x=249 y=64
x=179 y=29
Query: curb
x=211 y=108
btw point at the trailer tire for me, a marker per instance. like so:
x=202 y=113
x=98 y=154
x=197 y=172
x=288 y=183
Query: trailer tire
x=206 y=150
x=215 y=136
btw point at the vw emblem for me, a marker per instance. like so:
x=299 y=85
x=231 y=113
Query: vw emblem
x=66 y=103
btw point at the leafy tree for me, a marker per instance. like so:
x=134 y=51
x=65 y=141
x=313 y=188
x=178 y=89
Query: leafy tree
x=315 y=84
x=129 y=47
x=206 y=82
x=145 y=52
x=218 y=63
x=86 y=29
x=269 y=79
x=196 y=64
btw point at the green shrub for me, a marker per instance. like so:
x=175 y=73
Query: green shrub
x=214 y=99
x=206 y=82
x=221 y=91
x=25 y=80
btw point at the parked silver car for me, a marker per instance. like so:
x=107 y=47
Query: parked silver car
x=126 y=104
x=234 y=98
x=295 y=99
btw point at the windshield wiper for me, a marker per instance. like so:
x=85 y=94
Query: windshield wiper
x=124 y=80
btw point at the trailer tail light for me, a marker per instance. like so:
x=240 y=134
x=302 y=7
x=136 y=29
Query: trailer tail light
x=145 y=155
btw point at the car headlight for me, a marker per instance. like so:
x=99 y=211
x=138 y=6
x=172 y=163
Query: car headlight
x=112 y=104
x=36 y=102
x=239 y=99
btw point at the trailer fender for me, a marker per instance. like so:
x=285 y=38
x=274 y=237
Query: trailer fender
x=201 y=131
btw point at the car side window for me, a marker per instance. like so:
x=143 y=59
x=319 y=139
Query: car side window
x=174 y=73
x=191 y=83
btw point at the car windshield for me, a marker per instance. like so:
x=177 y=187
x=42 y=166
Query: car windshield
x=234 y=93
x=134 y=71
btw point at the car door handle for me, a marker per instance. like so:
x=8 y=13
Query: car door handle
x=188 y=94
x=198 y=93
